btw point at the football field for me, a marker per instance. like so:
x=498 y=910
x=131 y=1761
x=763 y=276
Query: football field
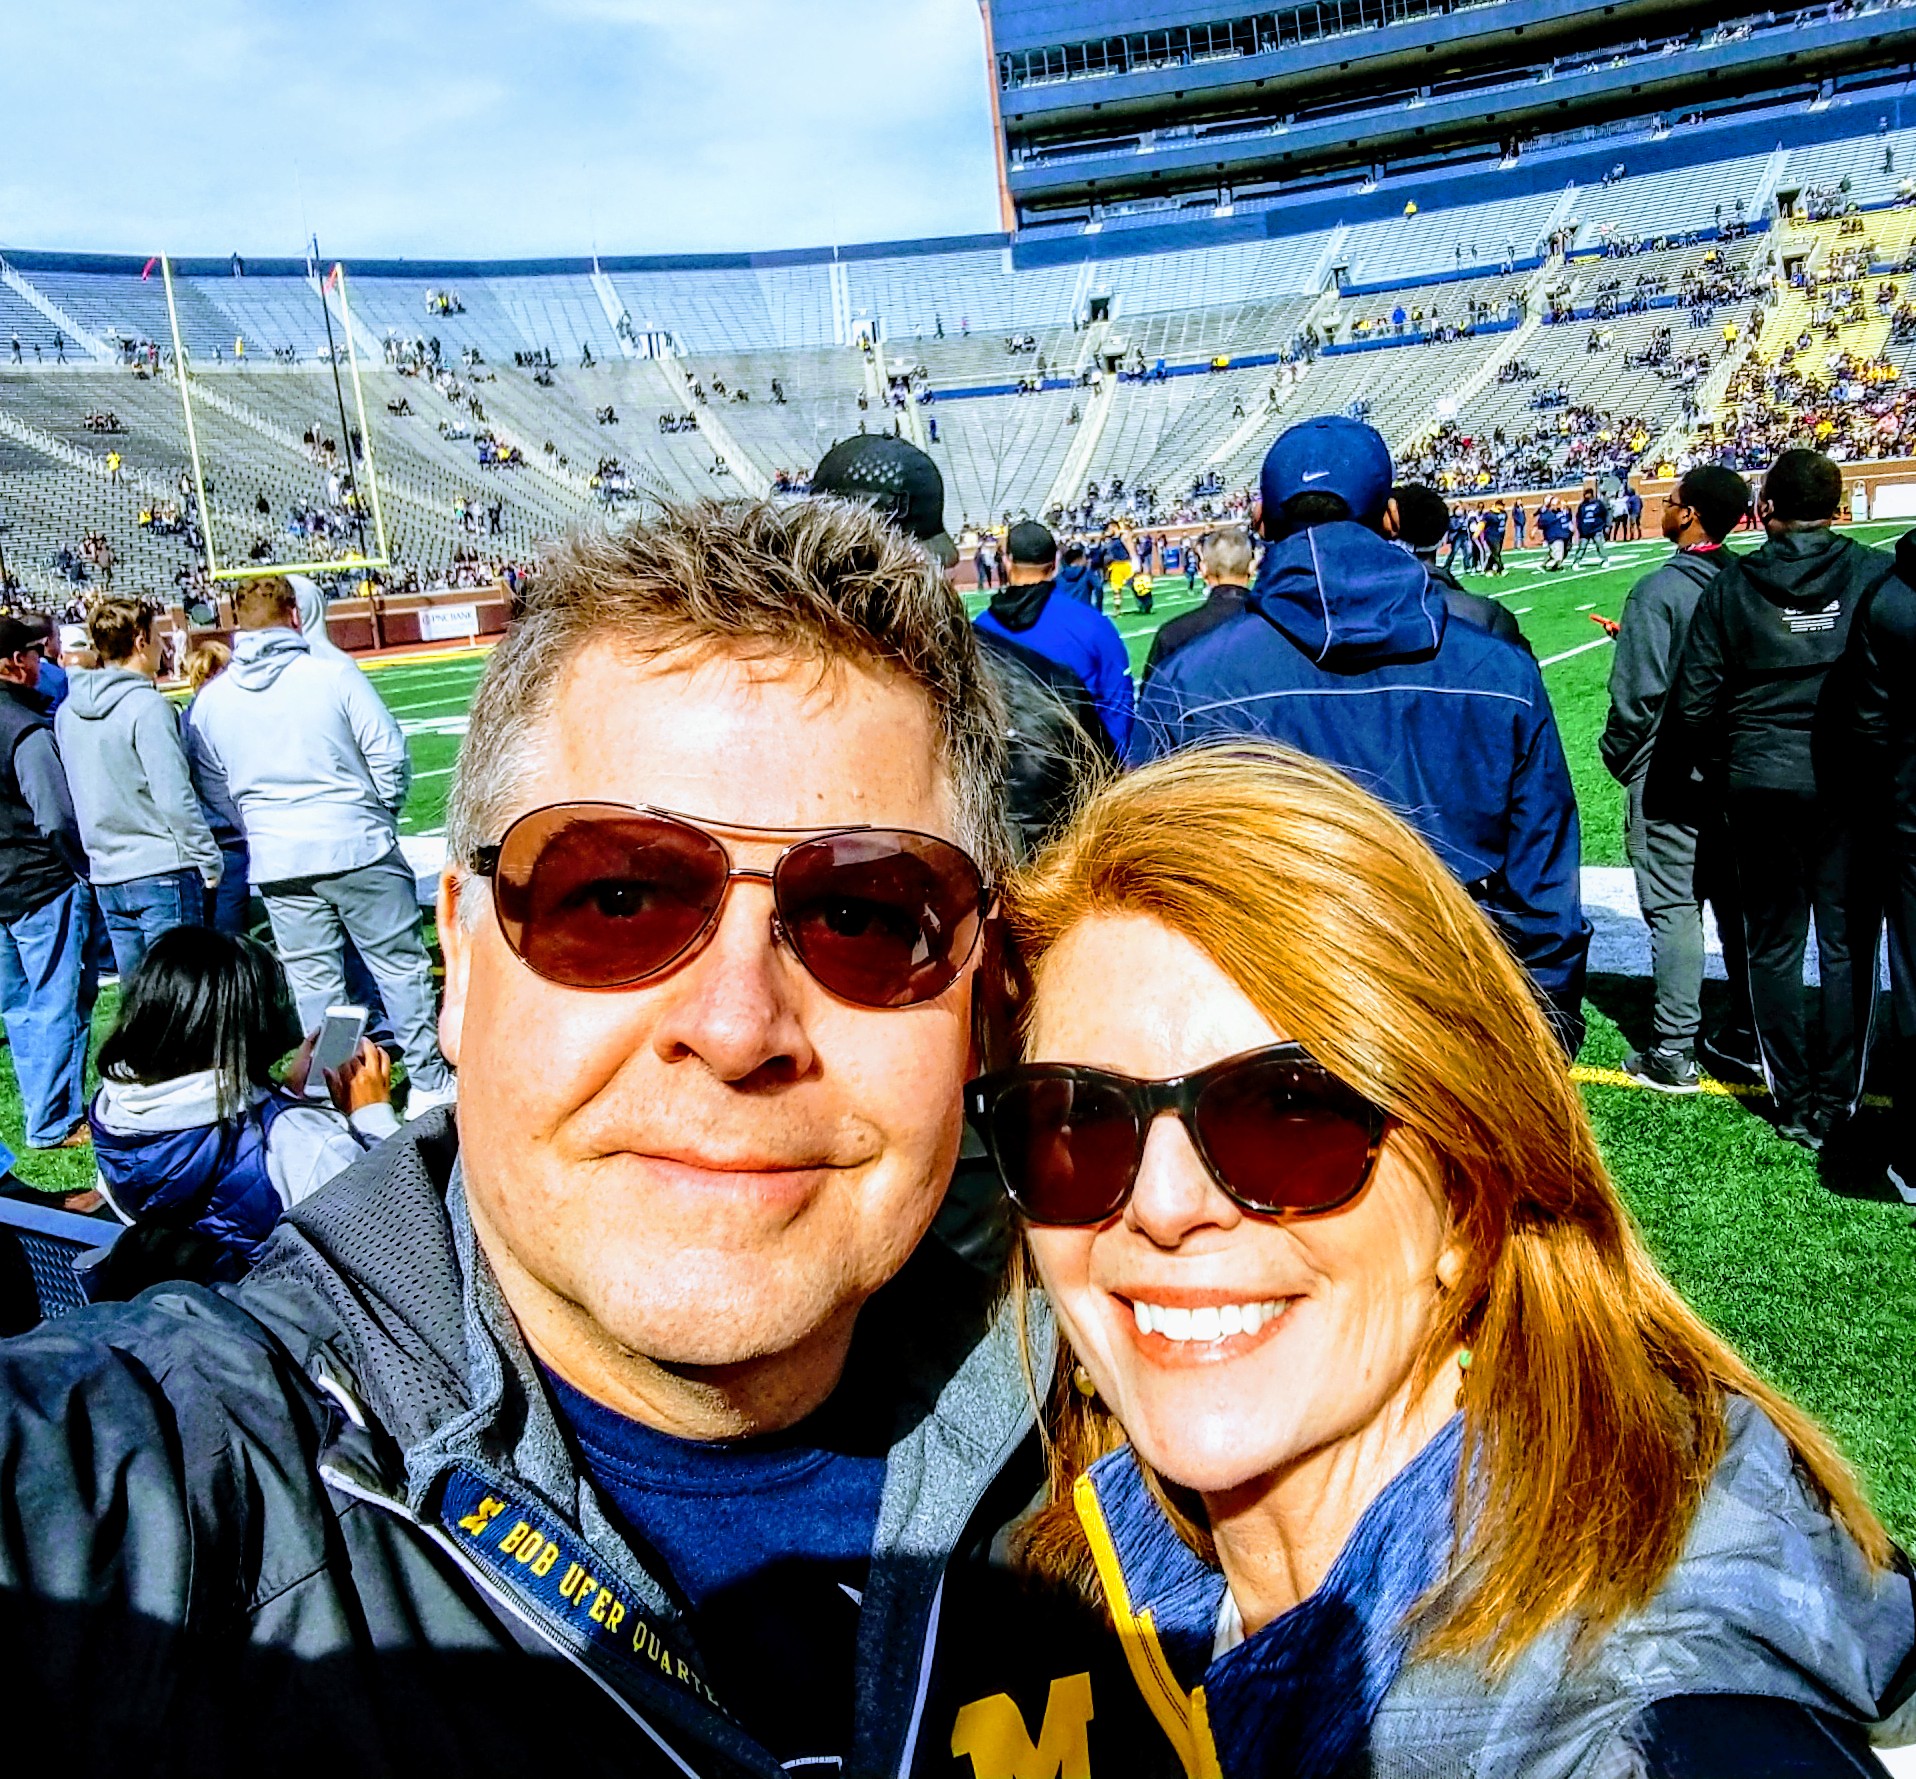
x=1812 y=1275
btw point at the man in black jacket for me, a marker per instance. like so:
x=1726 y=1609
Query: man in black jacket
x=1419 y=518
x=1665 y=802
x=1226 y=555
x=1760 y=702
x=46 y=984
x=1883 y=650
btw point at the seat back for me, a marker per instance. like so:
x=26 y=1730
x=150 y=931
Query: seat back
x=42 y=1254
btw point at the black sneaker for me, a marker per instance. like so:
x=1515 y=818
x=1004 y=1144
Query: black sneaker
x=1665 y=1068
x=1801 y=1133
x=1733 y=1056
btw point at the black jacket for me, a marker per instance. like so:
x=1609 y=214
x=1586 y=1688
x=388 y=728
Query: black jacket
x=1758 y=696
x=1056 y=744
x=39 y=839
x=1474 y=608
x=1883 y=677
x=1655 y=625
x=1223 y=603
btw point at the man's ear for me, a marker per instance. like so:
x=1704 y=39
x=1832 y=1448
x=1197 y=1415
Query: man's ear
x=455 y=946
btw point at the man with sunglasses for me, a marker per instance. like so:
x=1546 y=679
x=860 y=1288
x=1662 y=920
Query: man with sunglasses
x=630 y=1419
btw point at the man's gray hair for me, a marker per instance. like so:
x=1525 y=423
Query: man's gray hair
x=1226 y=555
x=819 y=581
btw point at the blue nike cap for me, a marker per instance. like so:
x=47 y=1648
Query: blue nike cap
x=1329 y=455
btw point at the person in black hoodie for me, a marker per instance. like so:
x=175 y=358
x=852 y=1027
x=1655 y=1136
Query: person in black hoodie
x=1419 y=518
x=1760 y=703
x=1883 y=651
x=1676 y=868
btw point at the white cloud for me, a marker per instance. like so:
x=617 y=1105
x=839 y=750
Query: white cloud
x=494 y=128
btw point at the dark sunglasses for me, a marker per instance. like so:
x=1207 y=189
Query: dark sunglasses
x=603 y=895
x=1282 y=1136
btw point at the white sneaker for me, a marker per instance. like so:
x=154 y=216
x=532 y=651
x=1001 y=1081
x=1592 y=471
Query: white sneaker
x=1905 y=1184
x=425 y=1099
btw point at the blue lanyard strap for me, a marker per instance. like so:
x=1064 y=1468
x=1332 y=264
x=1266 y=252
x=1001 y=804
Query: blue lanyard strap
x=538 y=1559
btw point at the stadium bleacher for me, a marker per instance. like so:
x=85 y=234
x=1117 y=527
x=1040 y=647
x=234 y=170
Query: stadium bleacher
x=1230 y=328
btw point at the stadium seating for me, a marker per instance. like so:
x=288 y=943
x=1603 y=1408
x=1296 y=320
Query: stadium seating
x=1259 y=323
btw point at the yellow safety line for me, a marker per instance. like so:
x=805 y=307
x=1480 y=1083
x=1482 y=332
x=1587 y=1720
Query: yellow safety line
x=475 y=652
x=1585 y=1076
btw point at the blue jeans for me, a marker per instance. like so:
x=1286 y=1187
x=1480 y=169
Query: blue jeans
x=46 y=993
x=141 y=909
x=229 y=907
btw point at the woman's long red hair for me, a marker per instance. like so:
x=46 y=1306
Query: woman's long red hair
x=1594 y=1409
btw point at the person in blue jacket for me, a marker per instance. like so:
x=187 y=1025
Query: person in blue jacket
x=1346 y=653
x=1077 y=579
x=1553 y=532
x=1061 y=630
x=1593 y=523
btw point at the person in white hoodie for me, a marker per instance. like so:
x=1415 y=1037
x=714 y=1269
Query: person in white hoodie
x=151 y=854
x=317 y=767
x=198 y=1148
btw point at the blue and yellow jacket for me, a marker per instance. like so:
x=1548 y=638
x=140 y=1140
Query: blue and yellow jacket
x=1772 y=1648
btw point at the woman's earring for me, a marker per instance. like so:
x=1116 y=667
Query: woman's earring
x=1464 y=1358
x=1081 y=1382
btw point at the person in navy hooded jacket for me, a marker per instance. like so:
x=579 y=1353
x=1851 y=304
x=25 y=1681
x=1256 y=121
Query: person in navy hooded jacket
x=1346 y=652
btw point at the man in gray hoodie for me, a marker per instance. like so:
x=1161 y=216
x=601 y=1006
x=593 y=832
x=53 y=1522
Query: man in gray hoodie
x=152 y=855
x=318 y=770
x=1665 y=819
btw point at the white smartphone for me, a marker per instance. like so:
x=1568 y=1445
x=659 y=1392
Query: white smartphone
x=339 y=1037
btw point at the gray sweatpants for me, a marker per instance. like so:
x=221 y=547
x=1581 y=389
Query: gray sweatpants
x=1663 y=856
x=378 y=905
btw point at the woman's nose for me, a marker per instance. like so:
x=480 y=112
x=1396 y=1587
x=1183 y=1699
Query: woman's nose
x=1175 y=1195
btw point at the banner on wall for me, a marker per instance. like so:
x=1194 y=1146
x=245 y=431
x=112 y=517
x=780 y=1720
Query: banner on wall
x=446 y=623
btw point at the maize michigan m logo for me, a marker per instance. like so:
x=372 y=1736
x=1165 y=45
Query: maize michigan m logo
x=992 y=1732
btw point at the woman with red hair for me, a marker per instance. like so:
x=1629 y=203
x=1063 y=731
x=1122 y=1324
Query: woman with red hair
x=1380 y=1436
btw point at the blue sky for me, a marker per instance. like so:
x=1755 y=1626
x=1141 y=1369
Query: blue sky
x=491 y=128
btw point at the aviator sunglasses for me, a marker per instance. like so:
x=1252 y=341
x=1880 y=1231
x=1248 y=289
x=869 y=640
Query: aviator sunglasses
x=605 y=895
x=1280 y=1134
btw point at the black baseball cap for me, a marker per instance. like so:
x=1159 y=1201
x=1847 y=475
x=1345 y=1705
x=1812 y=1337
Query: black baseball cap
x=897 y=478
x=1032 y=544
x=18 y=634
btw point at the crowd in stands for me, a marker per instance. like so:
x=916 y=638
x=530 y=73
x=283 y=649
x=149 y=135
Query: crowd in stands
x=1850 y=408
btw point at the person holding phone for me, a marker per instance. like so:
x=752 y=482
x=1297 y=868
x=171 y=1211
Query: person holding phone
x=198 y=1147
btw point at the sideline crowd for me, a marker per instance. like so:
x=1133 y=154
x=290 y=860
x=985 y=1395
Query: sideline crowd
x=958 y=1214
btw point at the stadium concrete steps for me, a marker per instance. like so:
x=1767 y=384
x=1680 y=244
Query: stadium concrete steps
x=1472 y=386
x=94 y=347
x=745 y=468
x=1071 y=477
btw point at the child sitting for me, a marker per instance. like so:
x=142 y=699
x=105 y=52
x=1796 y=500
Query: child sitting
x=197 y=1147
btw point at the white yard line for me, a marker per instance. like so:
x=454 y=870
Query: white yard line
x=1582 y=648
